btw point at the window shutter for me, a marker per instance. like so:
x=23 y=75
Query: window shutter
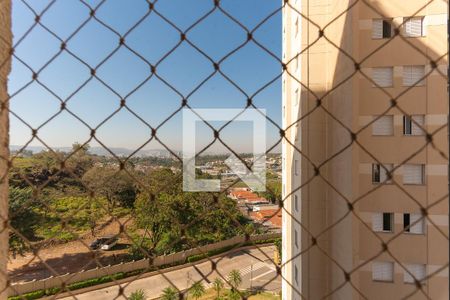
x=383 y=126
x=383 y=76
x=376 y=173
x=412 y=75
x=383 y=173
x=413 y=27
x=413 y=174
x=417 y=228
x=377 y=222
x=416 y=130
x=418 y=270
x=383 y=271
x=377 y=29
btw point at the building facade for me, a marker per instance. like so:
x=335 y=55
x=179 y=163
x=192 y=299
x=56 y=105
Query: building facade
x=366 y=192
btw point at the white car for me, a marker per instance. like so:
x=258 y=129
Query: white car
x=105 y=242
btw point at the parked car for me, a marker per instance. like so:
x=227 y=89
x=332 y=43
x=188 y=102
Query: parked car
x=104 y=243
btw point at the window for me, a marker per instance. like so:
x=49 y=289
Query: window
x=382 y=29
x=296 y=167
x=384 y=125
x=383 y=271
x=413 y=75
x=383 y=77
x=412 y=128
x=296 y=202
x=416 y=228
x=413 y=27
x=296 y=26
x=379 y=174
x=413 y=174
x=417 y=270
x=383 y=222
x=296 y=238
x=296 y=274
x=296 y=64
x=296 y=97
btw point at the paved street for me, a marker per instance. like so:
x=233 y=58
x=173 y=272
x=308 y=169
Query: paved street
x=256 y=270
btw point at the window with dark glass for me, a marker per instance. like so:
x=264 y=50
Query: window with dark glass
x=406 y=222
x=387 y=221
x=387 y=29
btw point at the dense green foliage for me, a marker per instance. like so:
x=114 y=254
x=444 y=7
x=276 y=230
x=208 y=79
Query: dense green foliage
x=57 y=196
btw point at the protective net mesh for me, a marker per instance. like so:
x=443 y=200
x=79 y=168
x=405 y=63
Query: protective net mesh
x=124 y=272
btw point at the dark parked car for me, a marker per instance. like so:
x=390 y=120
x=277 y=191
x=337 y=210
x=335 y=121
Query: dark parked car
x=104 y=243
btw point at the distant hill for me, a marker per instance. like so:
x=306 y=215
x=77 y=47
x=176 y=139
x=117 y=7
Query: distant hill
x=101 y=151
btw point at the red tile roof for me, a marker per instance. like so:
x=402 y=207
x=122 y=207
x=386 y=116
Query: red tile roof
x=269 y=217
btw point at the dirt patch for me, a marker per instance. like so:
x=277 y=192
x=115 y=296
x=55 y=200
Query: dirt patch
x=70 y=257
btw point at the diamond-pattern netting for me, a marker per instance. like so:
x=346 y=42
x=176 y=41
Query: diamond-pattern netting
x=118 y=48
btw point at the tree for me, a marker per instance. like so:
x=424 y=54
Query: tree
x=218 y=286
x=80 y=160
x=155 y=216
x=197 y=290
x=137 y=295
x=23 y=218
x=273 y=191
x=235 y=279
x=116 y=186
x=169 y=293
x=233 y=295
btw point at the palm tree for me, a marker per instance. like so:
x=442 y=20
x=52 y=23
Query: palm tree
x=137 y=295
x=235 y=279
x=169 y=293
x=197 y=290
x=233 y=295
x=218 y=286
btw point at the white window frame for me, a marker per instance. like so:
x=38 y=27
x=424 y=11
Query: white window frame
x=418 y=270
x=417 y=228
x=377 y=75
x=413 y=75
x=410 y=128
x=382 y=173
x=378 y=28
x=408 y=23
x=383 y=271
x=379 y=126
x=378 y=222
x=417 y=166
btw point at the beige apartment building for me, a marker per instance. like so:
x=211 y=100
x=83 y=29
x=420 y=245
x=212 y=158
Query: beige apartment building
x=361 y=77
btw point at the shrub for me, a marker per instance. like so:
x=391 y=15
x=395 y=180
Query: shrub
x=137 y=295
x=29 y=296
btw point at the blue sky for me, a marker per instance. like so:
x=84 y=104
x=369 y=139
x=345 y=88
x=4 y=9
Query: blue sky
x=183 y=69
